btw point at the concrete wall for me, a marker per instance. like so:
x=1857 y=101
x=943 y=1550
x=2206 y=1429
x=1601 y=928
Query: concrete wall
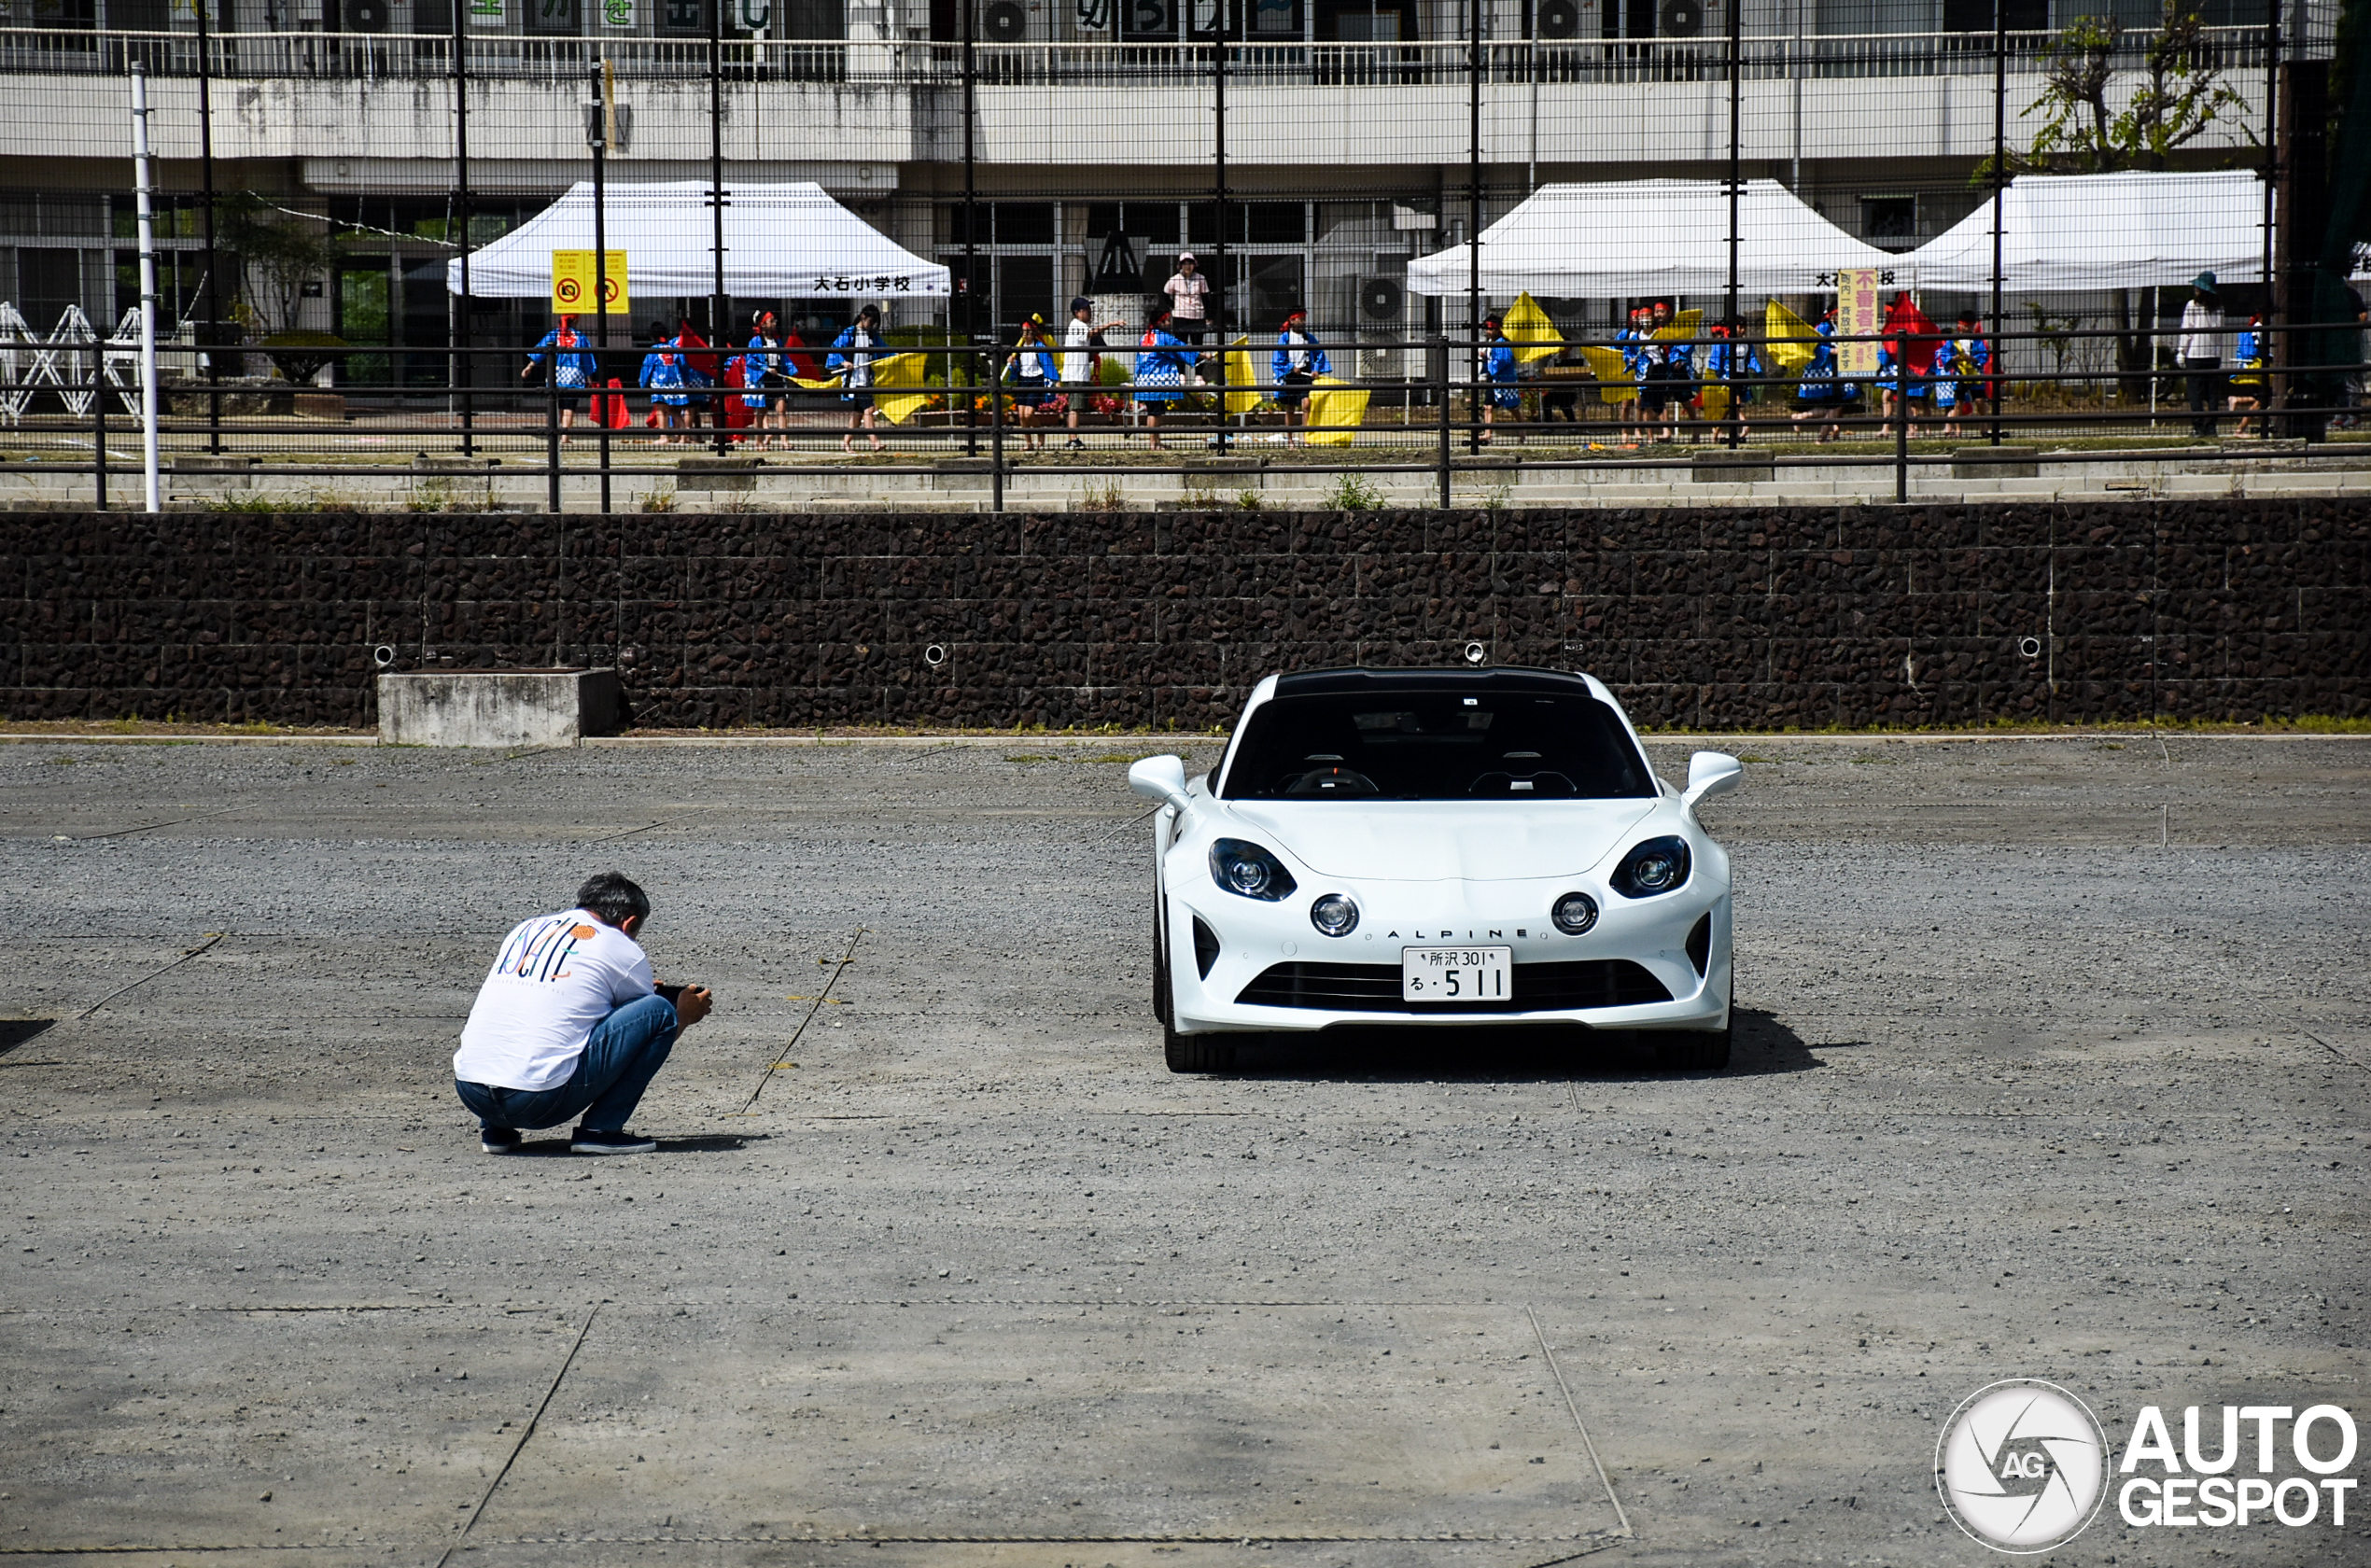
x=1734 y=616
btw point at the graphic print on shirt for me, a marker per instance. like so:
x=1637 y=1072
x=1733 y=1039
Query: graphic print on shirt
x=539 y=949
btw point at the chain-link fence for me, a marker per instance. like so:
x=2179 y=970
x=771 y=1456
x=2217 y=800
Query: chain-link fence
x=1411 y=239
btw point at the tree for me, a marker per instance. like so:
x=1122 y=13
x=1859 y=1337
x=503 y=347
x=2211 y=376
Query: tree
x=2180 y=96
x=278 y=255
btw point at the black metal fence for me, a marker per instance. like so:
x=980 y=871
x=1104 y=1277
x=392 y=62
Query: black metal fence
x=1309 y=176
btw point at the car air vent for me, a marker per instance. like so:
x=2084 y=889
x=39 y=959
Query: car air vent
x=1700 y=941
x=1205 y=946
x=1538 y=988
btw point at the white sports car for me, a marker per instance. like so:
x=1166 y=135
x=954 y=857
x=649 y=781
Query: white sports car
x=1432 y=847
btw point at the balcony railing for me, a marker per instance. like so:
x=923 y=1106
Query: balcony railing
x=397 y=56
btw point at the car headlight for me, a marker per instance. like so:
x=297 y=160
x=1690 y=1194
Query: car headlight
x=1574 y=914
x=1655 y=866
x=1245 y=868
x=1334 y=914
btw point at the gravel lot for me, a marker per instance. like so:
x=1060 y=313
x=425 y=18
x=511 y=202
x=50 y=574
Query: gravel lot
x=2021 y=1091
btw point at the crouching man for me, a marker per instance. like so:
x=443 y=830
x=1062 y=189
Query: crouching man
x=569 y=1025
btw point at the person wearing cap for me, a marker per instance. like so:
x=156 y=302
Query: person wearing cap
x=1161 y=369
x=1300 y=359
x=2201 y=349
x=1188 y=294
x=851 y=361
x=1495 y=364
x=1031 y=372
x=1081 y=338
x=572 y=367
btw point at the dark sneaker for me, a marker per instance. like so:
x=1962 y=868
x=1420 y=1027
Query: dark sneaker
x=588 y=1141
x=500 y=1141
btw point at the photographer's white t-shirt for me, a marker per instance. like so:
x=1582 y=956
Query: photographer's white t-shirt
x=556 y=978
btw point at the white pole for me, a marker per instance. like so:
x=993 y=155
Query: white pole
x=147 y=290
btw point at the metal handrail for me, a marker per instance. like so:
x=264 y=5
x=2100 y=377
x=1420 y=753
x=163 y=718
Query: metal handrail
x=336 y=56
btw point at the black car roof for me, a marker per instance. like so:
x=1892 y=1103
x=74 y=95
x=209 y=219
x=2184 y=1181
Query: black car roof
x=1336 y=681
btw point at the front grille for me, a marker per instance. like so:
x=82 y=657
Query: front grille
x=1537 y=988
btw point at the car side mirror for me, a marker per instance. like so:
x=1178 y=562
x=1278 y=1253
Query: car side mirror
x=1160 y=778
x=1710 y=774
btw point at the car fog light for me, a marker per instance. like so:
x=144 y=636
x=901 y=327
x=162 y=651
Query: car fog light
x=1334 y=914
x=1246 y=869
x=1656 y=866
x=1574 y=914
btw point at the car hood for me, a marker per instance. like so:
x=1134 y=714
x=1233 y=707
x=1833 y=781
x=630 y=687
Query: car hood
x=1437 y=841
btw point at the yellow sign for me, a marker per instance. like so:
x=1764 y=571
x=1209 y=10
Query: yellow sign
x=1859 y=312
x=572 y=274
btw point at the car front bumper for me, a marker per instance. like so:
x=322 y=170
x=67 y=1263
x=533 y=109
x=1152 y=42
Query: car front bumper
x=1270 y=949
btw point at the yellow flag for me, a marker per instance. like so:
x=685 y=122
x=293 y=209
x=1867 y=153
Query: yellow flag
x=1332 y=403
x=1613 y=377
x=1791 y=339
x=899 y=369
x=1683 y=326
x=1242 y=386
x=1529 y=327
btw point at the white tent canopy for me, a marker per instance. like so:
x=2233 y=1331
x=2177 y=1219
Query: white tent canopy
x=2064 y=232
x=1659 y=236
x=787 y=241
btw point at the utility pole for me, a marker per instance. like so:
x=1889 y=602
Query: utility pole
x=1218 y=204
x=971 y=236
x=600 y=129
x=209 y=340
x=1999 y=199
x=464 y=336
x=718 y=305
x=1473 y=217
x=144 y=182
x=1736 y=182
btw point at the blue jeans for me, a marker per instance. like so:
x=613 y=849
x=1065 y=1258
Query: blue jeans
x=624 y=1052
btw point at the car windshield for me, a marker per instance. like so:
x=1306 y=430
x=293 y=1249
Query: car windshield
x=1436 y=745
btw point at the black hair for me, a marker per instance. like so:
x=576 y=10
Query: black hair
x=614 y=897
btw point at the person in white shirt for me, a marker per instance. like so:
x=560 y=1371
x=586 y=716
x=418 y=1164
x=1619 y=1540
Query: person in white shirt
x=570 y=1024
x=1188 y=294
x=2201 y=350
x=1081 y=338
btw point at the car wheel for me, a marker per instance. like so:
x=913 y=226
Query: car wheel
x=1196 y=1052
x=1704 y=1051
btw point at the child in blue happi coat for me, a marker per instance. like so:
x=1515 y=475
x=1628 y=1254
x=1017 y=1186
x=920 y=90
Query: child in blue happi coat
x=665 y=376
x=1163 y=364
x=1496 y=365
x=1300 y=359
x=572 y=367
x=851 y=361
x=1819 y=395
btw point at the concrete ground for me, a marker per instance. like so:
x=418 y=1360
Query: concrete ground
x=946 y=1268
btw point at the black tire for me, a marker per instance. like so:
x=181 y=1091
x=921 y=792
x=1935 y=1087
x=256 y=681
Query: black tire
x=1705 y=1051
x=1196 y=1052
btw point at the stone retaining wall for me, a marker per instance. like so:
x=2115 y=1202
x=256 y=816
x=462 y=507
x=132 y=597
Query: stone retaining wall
x=1720 y=617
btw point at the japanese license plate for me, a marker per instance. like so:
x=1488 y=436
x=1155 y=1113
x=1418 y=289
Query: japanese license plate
x=1455 y=974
